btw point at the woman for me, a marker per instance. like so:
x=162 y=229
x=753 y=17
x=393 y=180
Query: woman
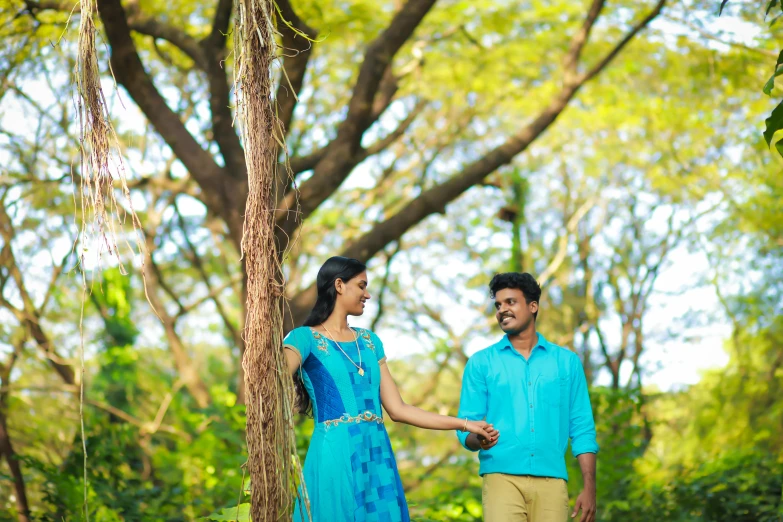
x=350 y=472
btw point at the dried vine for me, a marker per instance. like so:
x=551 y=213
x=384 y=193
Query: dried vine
x=274 y=468
x=101 y=167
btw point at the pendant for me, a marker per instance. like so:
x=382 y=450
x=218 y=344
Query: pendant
x=361 y=372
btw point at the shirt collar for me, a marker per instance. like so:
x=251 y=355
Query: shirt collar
x=542 y=343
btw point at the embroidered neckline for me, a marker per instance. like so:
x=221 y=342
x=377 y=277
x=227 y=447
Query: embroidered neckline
x=321 y=342
x=367 y=338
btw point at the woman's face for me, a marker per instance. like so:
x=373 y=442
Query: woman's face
x=352 y=294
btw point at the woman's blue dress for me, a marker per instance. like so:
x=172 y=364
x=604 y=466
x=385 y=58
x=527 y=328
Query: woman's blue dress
x=350 y=472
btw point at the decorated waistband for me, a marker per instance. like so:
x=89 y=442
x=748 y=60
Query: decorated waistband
x=367 y=416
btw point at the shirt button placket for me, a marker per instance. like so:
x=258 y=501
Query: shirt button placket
x=531 y=417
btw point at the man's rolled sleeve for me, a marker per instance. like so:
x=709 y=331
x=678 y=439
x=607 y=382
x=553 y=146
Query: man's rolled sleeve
x=581 y=426
x=473 y=398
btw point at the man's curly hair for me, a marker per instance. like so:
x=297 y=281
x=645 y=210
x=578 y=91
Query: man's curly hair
x=524 y=282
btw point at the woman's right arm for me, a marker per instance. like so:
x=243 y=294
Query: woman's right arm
x=296 y=346
x=292 y=356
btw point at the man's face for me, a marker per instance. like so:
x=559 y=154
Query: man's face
x=514 y=315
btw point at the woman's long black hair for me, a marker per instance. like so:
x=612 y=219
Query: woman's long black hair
x=334 y=268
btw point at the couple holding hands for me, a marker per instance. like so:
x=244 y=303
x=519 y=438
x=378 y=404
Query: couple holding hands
x=532 y=391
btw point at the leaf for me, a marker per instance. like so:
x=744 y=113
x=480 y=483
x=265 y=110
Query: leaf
x=774 y=124
x=770 y=85
x=232 y=514
x=473 y=508
x=723 y=4
x=772 y=3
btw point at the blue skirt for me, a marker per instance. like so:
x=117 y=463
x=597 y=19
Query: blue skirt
x=351 y=476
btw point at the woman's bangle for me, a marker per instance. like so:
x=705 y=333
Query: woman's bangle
x=465 y=427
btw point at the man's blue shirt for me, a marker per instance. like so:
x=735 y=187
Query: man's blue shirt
x=537 y=405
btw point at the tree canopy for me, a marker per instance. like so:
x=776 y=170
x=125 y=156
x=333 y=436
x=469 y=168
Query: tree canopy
x=612 y=149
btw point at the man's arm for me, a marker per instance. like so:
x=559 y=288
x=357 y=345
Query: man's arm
x=581 y=426
x=581 y=429
x=472 y=442
x=586 y=499
x=587 y=464
x=473 y=403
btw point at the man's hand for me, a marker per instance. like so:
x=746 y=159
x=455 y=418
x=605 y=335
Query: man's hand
x=586 y=499
x=476 y=442
x=486 y=443
x=586 y=502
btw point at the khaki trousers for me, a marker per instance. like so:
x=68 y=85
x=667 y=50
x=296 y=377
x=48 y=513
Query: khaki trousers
x=515 y=498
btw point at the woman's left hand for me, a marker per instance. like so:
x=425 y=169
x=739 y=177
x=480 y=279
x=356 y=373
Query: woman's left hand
x=483 y=429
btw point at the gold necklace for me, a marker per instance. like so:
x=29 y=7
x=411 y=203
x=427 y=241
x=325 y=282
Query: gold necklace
x=358 y=349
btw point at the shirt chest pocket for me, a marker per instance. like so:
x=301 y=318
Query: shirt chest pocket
x=552 y=389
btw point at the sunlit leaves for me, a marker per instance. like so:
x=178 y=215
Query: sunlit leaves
x=240 y=513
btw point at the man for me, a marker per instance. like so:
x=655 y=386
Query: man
x=535 y=393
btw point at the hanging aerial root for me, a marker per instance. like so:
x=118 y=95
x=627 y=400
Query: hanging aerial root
x=273 y=465
x=100 y=155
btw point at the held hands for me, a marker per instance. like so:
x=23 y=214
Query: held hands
x=486 y=433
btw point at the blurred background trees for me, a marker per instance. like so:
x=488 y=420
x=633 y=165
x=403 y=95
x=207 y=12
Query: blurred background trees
x=612 y=149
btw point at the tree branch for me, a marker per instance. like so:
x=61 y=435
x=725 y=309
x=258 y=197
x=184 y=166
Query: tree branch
x=545 y=276
x=211 y=296
x=130 y=73
x=148 y=26
x=597 y=68
x=224 y=195
x=29 y=316
x=187 y=370
x=137 y=22
x=428 y=389
x=432 y=468
x=386 y=91
x=150 y=428
x=604 y=348
x=341 y=156
x=198 y=264
x=297 y=43
x=6 y=447
x=223 y=131
x=383 y=143
x=578 y=42
x=177 y=186
x=435 y=199
x=297 y=50
x=57 y=270
x=305 y=163
x=220 y=25
x=376 y=61
x=384 y=285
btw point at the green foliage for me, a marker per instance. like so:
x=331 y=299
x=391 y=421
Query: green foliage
x=666 y=123
x=739 y=486
x=774 y=122
x=240 y=513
